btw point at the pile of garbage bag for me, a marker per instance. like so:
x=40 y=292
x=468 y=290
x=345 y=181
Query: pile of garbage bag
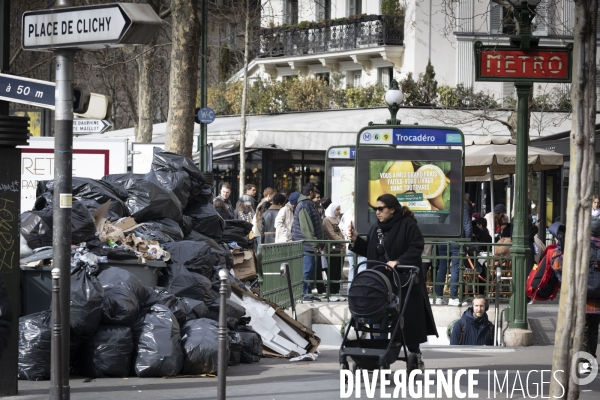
x=120 y=324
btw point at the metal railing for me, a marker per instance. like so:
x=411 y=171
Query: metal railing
x=347 y=34
x=470 y=281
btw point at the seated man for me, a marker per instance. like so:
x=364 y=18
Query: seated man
x=474 y=327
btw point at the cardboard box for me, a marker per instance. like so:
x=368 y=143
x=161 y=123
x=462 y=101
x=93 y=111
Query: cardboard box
x=124 y=224
x=245 y=270
x=294 y=331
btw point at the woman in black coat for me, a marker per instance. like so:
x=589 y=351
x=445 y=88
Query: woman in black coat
x=403 y=243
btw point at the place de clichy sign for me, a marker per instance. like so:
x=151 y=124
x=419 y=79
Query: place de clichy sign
x=512 y=64
x=89 y=27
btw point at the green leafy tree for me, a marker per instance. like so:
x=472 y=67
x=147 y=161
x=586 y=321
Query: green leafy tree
x=411 y=90
x=429 y=84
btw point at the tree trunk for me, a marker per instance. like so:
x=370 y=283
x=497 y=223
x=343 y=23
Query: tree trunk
x=146 y=87
x=183 y=80
x=244 y=101
x=571 y=313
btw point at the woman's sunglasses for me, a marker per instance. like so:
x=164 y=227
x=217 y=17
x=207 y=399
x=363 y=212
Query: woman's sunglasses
x=380 y=209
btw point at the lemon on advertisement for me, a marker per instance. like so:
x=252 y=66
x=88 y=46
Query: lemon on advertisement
x=423 y=186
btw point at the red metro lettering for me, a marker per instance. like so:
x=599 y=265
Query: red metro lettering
x=524 y=64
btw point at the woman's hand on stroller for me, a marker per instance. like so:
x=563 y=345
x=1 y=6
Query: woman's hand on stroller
x=392 y=264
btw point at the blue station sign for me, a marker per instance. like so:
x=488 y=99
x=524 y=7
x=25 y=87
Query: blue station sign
x=342 y=153
x=411 y=136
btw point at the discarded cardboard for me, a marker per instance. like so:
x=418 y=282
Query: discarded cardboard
x=112 y=231
x=282 y=335
x=244 y=265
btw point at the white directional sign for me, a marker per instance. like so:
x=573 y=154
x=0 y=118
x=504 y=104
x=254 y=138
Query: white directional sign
x=90 y=126
x=91 y=27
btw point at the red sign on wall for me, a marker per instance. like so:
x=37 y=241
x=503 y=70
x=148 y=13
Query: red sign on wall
x=513 y=64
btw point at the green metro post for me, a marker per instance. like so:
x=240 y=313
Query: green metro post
x=522 y=62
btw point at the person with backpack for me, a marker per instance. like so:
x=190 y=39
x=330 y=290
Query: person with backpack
x=474 y=328
x=592 y=308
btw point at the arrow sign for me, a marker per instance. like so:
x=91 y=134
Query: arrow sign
x=27 y=91
x=91 y=27
x=90 y=125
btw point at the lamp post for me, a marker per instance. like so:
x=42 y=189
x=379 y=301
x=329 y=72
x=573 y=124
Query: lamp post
x=524 y=11
x=393 y=98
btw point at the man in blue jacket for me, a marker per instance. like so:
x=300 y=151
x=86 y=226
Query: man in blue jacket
x=474 y=328
x=307 y=226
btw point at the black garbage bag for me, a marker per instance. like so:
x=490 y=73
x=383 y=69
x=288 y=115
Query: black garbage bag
x=163 y=230
x=245 y=226
x=194 y=309
x=148 y=201
x=205 y=219
x=87 y=299
x=83 y=227
x=93 y=205
x=160 y=295
x=178 y=182
x=123 y=294
x=36 y=228
x=107 y=353
x=195 y=236
x=251 y=344
x=216 y=286
x=200 y=342
x=123 y=179
x=232 y=280
x=171 y=162
x=35 y=334
x=233 y=310
x=237 y=235
x=187 y=225
x=184 y=283
x=36 y=225
x=197 y=256
x=101 y=191
x=235 y=347
x=157 y=345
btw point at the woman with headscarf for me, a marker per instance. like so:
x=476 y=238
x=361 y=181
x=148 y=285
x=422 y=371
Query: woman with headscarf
x=397 y=240
x=331 y=231
x=244 y=209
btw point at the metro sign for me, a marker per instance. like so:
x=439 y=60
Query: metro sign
x=511 y=64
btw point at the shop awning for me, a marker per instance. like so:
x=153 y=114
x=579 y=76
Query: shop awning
x=319 y=130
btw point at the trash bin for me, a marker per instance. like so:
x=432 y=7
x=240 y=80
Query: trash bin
x=148 y=272
x=36 y=289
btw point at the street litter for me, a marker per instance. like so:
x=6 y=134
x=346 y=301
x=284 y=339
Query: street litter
x=305 y=357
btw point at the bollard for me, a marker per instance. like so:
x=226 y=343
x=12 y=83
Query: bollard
x=223 y=361
x=497 y=306
x=56 y=384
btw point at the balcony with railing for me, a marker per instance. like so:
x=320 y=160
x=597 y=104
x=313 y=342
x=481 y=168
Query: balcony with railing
x=331 y=36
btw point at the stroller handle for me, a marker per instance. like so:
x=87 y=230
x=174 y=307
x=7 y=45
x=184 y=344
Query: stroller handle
x=380 y=264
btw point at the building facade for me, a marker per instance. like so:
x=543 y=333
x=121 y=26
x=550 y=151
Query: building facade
x=365 y=44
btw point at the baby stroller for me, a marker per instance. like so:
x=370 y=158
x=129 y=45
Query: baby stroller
x=377 y=318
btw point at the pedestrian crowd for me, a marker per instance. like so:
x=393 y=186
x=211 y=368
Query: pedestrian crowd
x=288 y=216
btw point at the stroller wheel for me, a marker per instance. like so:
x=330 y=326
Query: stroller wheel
x=412 y=363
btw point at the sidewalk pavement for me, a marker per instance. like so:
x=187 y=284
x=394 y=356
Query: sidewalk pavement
x=280 y=379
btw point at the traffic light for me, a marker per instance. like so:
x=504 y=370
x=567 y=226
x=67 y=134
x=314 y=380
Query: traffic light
x=81 y=100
